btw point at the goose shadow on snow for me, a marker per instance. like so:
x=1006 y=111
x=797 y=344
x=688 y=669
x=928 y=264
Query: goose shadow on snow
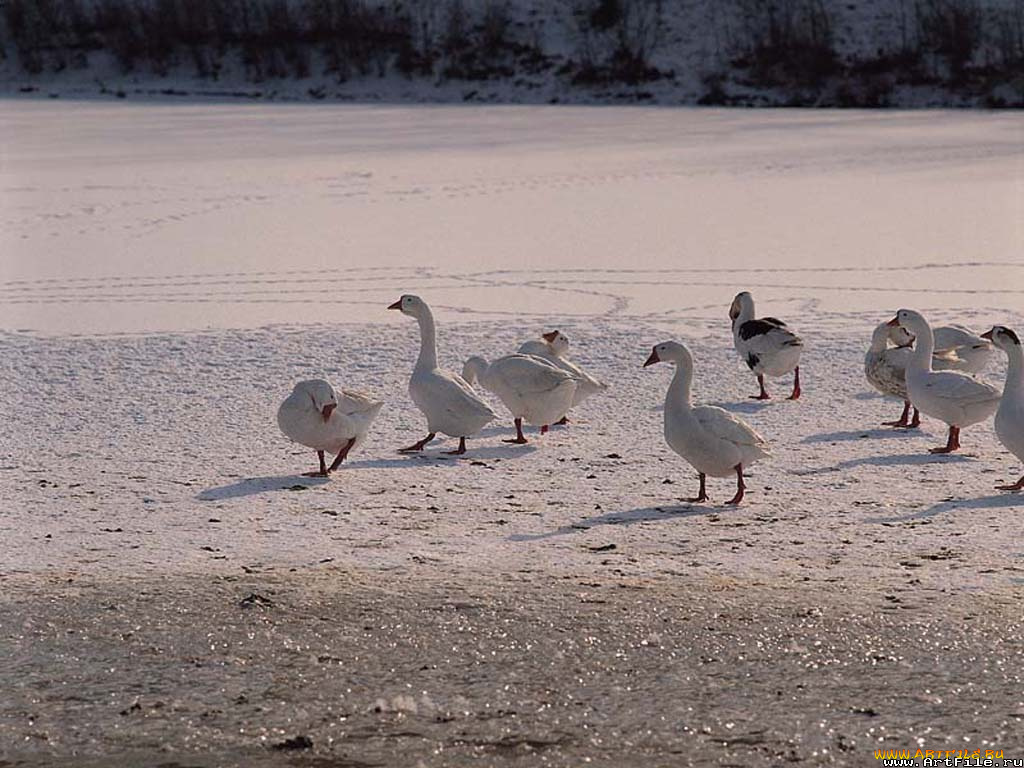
x=248 y=486
x=628 y=517
x=437 y=453
x=997 y=501
x=876 y=433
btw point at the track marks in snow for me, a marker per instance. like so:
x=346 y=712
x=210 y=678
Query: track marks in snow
x=608 y=292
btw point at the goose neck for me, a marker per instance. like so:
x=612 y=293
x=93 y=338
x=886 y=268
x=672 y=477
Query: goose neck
x=746 y=314
x=428 y=341
x=679 y=389
x=1015 y=369
x=924 y=348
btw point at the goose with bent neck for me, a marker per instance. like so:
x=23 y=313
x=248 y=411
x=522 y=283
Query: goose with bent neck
x=950 y=396
x=1010 y=416
x=885 y=368
x=712 y=440
x=446 y=399
x=327 y=420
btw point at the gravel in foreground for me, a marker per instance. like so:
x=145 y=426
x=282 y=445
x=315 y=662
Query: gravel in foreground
x=346 y=670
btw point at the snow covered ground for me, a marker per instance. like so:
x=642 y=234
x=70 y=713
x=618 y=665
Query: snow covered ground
x=169 y=271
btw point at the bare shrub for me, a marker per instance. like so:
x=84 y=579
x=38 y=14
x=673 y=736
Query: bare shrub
x=615 y=40
x=951 y=30
x=786 y=42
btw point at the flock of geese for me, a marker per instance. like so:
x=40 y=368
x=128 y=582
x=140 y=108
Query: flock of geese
x=931 y=370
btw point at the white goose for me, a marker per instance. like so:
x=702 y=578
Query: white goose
x=1010 y=416
x=765 y=344
x=315 y=416
x=553 y=346
x=951 y=396
x=714 y=441
x=885 y=368
x=956 y=348
x=533 y=389
x=449 y=403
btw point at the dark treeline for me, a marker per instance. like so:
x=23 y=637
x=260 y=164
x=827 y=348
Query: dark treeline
x=964 y=46
x=967 y=47
x=268 y=38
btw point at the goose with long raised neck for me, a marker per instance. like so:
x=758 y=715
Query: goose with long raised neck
x=327 y=420
x=553 y=346
x=533 y=389
x=885 y=368
x=712 y=440
x=765 y=344
x=950 y=396
x=1010 y=416
x=445 y=398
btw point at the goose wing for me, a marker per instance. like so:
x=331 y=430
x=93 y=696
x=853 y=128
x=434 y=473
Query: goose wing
x=352 y=402
x=453 y=394
x=952 y=336
x=767 y=336
x=528 y=375
x=959 y=388
x=725 y=426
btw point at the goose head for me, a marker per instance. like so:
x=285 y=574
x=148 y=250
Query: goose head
x=911 y=321
x=670 y=352
x=743 y=304
x=321 y=395
x=557 y=340
x=474 y=368
x=410 y=305
x=900 y=336
x=1002 y=337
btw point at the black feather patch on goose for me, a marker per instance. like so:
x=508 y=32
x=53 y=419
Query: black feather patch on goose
x=1013 y=336
x=753 y=328
x=752 y=360
x=773 y=321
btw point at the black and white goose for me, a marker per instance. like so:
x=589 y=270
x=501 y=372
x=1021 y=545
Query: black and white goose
x=765 y=344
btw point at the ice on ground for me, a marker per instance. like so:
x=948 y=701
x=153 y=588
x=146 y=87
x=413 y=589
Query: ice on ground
x=123 y=218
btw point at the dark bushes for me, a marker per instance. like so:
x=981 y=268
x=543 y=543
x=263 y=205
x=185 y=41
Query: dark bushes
x=615 y=41
x=786 y=42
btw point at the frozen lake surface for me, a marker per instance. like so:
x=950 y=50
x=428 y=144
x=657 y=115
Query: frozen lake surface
x=127 y=217
x=169 y=271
